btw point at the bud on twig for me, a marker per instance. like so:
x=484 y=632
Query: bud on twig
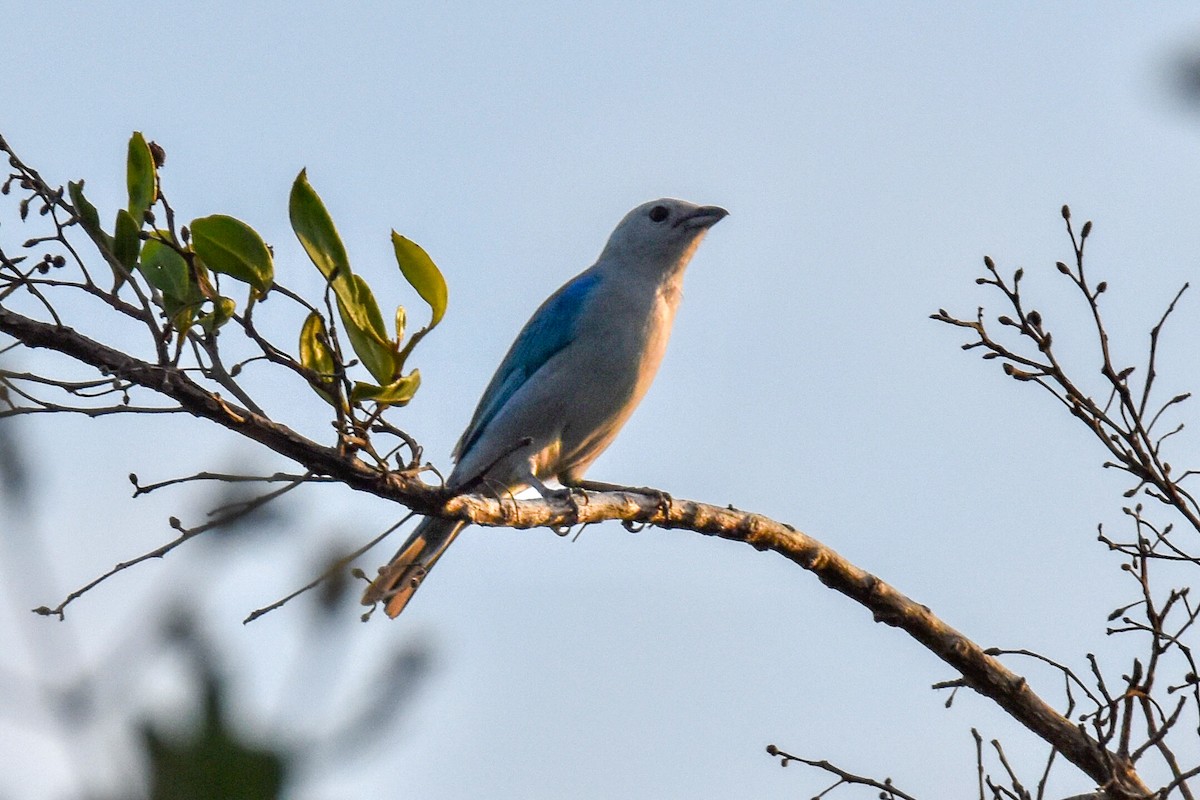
x=158 y=154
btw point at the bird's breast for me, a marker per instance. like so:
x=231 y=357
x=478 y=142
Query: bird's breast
x=635 y=330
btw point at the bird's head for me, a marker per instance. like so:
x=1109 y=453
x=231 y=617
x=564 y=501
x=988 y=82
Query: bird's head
x=662 y=234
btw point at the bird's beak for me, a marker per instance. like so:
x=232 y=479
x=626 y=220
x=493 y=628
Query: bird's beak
x=705 y=217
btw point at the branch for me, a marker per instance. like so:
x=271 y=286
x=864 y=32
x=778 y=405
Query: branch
x=333 y=569
x=980 y=671
x=886 y=790
x=236 y=512
x=193 y=399
x=1124 y=416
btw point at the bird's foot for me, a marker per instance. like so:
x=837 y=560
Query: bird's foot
x=660 y=497
x=572 y=495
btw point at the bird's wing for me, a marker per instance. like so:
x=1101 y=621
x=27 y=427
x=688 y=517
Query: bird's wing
x=553 y=326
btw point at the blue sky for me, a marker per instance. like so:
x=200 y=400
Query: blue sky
x=869 y=154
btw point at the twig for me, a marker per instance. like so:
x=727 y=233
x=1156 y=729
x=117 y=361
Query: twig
x=887 y=789
x=184 y=535
x=341 y=563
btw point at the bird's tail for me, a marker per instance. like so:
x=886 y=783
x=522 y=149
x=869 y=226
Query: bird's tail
x=398 y=581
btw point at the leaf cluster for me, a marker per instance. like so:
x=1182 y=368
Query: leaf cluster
x=381 y=351
x=183 y=268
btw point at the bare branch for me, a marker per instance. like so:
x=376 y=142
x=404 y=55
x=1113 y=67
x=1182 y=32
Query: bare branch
x=330 y=572
x=233 y=513
x=887 y=790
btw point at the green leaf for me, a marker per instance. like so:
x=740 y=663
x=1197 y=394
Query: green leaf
x=397 y=393
x=126 y=243
x=316 y=232
x=316 y=355
x=364 y=327
x=424 y=276
x=140 y=176
x=89 y=218
x=166 y=270
x=233 y=248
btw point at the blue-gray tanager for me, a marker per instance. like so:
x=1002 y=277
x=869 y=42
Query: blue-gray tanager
x=570 y=380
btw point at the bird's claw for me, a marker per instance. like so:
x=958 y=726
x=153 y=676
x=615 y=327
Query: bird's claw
x=663 y=499
x=566 y=493
x=571 y=495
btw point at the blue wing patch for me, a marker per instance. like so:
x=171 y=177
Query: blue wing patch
x=552 y=327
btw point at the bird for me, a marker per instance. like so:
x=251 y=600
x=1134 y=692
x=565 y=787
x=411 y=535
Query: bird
x=570 y=380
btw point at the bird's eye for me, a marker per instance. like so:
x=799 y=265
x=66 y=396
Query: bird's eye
x=659 y=213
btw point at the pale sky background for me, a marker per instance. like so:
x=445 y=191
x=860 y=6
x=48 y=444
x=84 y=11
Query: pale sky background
x=869 y=156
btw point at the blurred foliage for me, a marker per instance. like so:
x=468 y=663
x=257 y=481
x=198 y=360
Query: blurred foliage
x=1185 y=79
x=214 y=761
x=14 y=476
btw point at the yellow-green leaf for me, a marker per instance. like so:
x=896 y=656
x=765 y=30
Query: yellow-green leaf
x=223 y=308
x=231 y=247
x=401 y=322
x=316 y=232
x=203 y=281
x=181 y=314
x=316 y=355
x=366 y=300
x=364 y=326
x=126 y=243
x=420 y=271
x=140 y=176
x=397 y=393
x=166 y=270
